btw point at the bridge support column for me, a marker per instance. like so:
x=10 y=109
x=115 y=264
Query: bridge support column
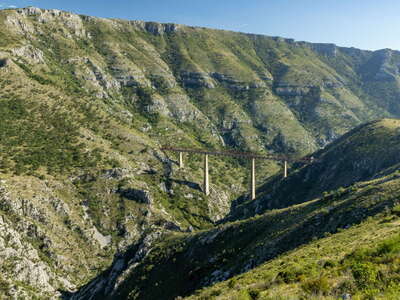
x=206 y=186
x=285 y=173
x=253 y=179
x=180 y=160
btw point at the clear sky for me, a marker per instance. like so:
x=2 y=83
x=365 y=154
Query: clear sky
x=366 y=24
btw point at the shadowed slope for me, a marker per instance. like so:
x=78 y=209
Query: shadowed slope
x=177 y=265
x=367 y=152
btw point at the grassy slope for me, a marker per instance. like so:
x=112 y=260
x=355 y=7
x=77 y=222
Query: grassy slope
x=361 y=261
x=57 y=144
x=180 y=264
x=75 y=125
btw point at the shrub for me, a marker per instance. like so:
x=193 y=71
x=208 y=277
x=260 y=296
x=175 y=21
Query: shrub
x=4 y=287
x=365 y=274
x=38 y=78
x=329 y=264
x=396 y=210
x=254 y=293
x=35 y=134
x=244 y=295
x=291 y=274
x=159 y=83
x=318 y=286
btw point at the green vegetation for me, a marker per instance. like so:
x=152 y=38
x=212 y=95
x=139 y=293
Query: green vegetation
x=85 y=104
x=4 y=289
x=375 y=144
x=31 y=75
x=336 y=217
x=38 y=135
x=326 y=269
x=307 y=245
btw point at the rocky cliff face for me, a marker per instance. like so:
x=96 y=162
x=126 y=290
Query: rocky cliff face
x=86 y=103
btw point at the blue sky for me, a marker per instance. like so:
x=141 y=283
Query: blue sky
x=366 y=24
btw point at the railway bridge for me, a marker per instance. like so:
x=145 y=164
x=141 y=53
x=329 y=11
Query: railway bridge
x=249 y=155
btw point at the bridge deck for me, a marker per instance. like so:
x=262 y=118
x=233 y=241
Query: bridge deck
x=238 y=154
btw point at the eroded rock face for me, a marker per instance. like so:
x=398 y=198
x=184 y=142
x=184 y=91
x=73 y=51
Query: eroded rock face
x=183 y=110
x=30 y=11
x=196 y=80
x=106 y=81
x=387 y=71
x=29 y=53
x=330 y=50
x=103 y=241
x=291 y=90
x=140 y=196
x=156 y=28
x=20 y=25
x=23 y=259
x=94 y=76
x=235 y=84
x=71 y=21
x=117 y=173
x=219 y=206
x=19 y=259
x=126 y=80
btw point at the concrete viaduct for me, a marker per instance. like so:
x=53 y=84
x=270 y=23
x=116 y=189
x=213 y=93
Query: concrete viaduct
x=249 y=155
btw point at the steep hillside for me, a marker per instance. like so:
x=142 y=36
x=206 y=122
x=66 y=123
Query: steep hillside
x=178 y=264
x=86 y=103
x=367 y=152
x=335 y=267
x=256 y=92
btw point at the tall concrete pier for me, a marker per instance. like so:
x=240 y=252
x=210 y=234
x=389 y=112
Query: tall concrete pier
x=253 y=156
x=206 y=185
x=285 y=169
x=181 y=160
x=253 y=179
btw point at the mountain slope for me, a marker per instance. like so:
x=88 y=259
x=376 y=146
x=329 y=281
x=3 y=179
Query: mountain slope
x=177 y=265
x=369 y=151
x=86 y=103
x=333 y=267
x=240 y=82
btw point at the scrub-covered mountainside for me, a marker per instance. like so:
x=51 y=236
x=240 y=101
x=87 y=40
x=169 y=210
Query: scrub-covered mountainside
x=357 y=263
x=86 y=103
x=367 y=152
x=321 y=247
